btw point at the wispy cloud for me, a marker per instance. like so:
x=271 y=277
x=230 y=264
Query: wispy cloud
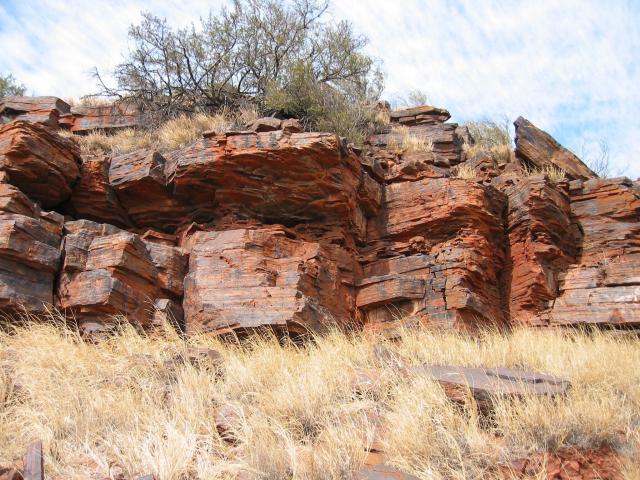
x=571 y=67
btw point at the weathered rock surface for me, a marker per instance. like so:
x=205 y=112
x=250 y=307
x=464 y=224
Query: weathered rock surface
x=436 y=253
x=93 y=197
x=603 y=286
x=83 y=119
x=246 y=279
x=45 y=110
x=39 y=162
x=108 y=272
x=543 y=242
x=297 y=230
x=541 y=150
x=29 y=252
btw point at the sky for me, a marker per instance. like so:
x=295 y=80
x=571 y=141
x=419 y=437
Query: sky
x=572 y=67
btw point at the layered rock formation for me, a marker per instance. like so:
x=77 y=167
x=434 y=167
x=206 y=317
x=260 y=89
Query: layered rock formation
x=299 y=231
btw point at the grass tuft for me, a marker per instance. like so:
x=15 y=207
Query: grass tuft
x=170 y=135
x=553 y=173
x=403 y=141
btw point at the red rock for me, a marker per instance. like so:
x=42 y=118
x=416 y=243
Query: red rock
x=422 y=114
x=542 y=244
x=139 y=180
x=603 y=286
x=39 y=162
x=446 y=142
x=29 y=252
x=93 y=198
x=539 y=149
x=264 y=124
x=246 y=279
x=84 y=119
x=45 y=110
x=440 y=242
x=271 y=177
x=108 y=271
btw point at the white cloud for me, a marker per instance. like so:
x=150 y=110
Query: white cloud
x=571 y=67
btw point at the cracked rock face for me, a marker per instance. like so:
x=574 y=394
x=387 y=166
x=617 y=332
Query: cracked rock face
x=298 y=231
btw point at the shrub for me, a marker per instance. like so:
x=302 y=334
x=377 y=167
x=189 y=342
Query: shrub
x=9 y=87
x=278 y=54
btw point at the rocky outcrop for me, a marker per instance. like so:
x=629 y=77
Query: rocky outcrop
x=56 y=113
x=298 y=231
x=29 y=252
x=540 y=150
x=603 y=286
x=39 y=162
x=93 y=197
x=84 y=119
x=44 y=110
x=108 y=272
x=543 y=242
x=437 y=250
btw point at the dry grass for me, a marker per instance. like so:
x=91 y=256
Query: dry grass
x=121 y=407
x=88 y=101
x=553 y=173
x=464 y=171
x=403 y=141
x=491 y=139
x=171 y=135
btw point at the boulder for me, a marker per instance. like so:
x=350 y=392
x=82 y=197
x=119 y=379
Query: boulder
x=139 y=180
x=39 y=162
x=108 y=272
x=418 y=115
x=272 y=177
x=29 y=252
x=45 y=110
x=247 y=279
x=446 y=144
x=540 y=150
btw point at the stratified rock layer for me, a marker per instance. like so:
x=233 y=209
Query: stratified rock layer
x=541 y=150
x=299 y=231
x=29 y=252
x=39 y=162
x=603 y=287
x=437 y=251
x=108 y=272
x=245 y=279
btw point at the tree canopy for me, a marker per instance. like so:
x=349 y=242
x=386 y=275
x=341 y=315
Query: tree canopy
x=9 y=87
x=280 y=55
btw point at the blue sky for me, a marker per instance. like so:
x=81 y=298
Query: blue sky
x=572 y=67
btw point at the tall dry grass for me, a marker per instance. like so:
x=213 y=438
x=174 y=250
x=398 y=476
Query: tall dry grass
x=127 y=407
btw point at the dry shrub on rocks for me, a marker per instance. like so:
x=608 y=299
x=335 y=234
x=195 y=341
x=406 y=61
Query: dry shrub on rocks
x=125 y=406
